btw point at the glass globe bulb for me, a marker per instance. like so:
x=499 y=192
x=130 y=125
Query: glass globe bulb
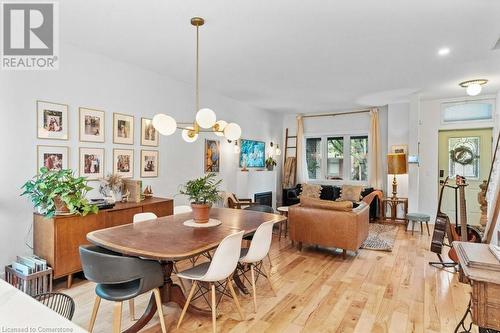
x=278 y=151
x=205 y=118
x=232 y=131
x=474 y=89
x=189 y=135
x=219 y=127
x=164 y=124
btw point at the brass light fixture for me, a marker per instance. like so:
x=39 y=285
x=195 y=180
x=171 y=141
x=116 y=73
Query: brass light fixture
x=205 y=120
x=473 y=87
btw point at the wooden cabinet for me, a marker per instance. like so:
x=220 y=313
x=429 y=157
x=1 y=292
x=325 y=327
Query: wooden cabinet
x=57 y=239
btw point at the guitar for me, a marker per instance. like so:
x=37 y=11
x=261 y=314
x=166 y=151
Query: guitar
x=440 y=225
x=463 y=232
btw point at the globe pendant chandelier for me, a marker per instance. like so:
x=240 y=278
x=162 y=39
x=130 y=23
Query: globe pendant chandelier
x=205 y=120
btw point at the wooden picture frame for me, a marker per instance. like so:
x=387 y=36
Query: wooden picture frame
x=92 y=125
x=55 y=156
x=123 y=162
x=52 y=120
x=150 y=163
x=123 y=129
x=399 y=149
x=212 y=156
x=149 y=135
x=91 y=163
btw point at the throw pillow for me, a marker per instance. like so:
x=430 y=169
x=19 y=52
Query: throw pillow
x=351 y=193
x=310 y=191
x=345 y=206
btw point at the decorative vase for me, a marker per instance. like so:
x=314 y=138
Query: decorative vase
x=61 y=207
x=201 y=212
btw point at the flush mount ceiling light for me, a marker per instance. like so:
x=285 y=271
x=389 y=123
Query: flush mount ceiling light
x=473 y=87
x=444 y=51
x=205 y=119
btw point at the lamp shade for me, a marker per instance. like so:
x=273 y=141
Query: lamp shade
x=396 y=164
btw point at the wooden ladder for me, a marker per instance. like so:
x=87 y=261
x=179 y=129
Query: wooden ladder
x=288 y=137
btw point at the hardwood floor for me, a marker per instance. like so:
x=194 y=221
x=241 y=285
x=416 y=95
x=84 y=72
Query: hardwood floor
x=317 y=291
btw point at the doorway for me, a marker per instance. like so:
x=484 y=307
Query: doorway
x=465 y=153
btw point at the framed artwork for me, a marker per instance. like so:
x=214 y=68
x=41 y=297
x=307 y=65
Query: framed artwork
x=212 y=155
x=52 y=157
x=123 y=129
x=52 y=120
x=92 y=125
x=252 y=154
x=123 y=162
x=149 y=134
x=149 y=163
x=399 y=149
x=92 y=163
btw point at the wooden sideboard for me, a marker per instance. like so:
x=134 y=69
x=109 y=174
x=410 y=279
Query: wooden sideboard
x=57 y=239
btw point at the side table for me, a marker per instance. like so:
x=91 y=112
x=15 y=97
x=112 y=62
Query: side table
x=283 y=211
x=393 y=203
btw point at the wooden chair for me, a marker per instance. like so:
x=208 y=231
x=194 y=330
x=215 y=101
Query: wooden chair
x=60 y=303
x=238 y=203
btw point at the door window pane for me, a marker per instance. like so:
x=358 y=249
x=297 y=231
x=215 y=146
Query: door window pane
x=359 y=158
x=469 y=111
x=335 y=163
x=464 y=157
x=313 y=157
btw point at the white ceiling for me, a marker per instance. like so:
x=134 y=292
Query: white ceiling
x=300 y=55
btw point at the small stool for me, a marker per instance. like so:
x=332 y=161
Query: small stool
x=284 y=211
x=418 y=217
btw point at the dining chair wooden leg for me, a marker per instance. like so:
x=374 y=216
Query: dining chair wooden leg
x=235 y=299
x=268 y=275
x=269 y=258
x=184 y=290
x=191 y=292
x=254 y=292
x=159 y=307
x=97 y=302
x=131 y=309
x=117 y=317
x=214 y=310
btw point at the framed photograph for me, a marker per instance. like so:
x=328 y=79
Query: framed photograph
x=149 y=135
x=123 y=162
x=212 y=155
x=52 y=157
x=123 y=129
x=399 y=149
x=92 y=163
x=92 y=125
x=149 y=163
x=252 y=154
x=52 y=120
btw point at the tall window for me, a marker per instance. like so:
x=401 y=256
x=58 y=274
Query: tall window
x=346 y=157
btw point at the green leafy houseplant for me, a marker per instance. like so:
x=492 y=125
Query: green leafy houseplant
x=54 y=192
x=270 y=163
x=203 y=192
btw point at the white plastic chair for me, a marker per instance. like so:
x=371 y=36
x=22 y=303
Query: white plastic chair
x=182 y=209
x=221 y=268
x=255 y=254
x=140 y=217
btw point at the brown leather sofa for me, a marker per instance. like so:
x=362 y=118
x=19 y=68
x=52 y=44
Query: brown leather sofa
x=345 y=230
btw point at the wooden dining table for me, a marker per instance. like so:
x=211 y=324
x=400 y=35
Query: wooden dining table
x=167 y=240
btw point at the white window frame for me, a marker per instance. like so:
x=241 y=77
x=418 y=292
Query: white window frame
x=324 y=158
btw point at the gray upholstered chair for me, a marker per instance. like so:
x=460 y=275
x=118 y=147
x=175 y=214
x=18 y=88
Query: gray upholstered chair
x=120 y=278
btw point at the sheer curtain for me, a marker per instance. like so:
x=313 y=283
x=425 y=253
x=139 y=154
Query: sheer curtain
x=375 y=150
x=301 y=161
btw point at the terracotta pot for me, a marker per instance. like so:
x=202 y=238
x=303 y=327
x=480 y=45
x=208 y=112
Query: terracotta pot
x=201 y=212
x=61 y=207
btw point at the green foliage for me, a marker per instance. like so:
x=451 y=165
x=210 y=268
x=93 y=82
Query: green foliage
x=48 y=185
x=203 y=190
x=270 y=162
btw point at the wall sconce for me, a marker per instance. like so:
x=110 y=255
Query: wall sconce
x=277 y=151
x=236 y=148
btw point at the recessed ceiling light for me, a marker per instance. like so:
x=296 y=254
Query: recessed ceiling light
x=443 y=51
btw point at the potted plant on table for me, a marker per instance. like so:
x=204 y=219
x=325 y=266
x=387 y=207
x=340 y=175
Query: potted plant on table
x=59 y=193
x=270 y=163
x=202 y=192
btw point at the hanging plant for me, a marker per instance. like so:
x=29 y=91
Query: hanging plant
x=463 y=155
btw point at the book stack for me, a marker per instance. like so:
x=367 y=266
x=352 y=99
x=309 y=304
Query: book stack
x=27 y=265
x=478 y=256
x=495 y=250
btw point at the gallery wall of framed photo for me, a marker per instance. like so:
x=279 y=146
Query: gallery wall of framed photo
x=53 y=123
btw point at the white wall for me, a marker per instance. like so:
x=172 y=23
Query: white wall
x=495 y=188
x=398 y=134
x=94 y=81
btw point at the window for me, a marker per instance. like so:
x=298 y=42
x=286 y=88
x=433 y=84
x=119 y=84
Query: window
x=470 y=111
x=354 y=167
x=335 y=163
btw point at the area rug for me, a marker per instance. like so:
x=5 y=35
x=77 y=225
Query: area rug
x=381 y=237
